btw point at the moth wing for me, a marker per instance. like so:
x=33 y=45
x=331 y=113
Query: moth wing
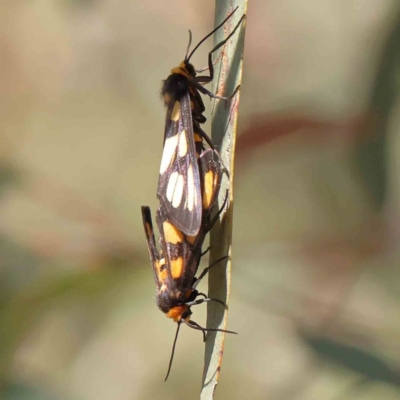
x=179 y=188
x=156 y=262
x=177 y=251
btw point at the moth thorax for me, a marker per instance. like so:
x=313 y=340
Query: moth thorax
x=184 y=68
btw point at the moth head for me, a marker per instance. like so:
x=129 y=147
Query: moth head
x=179 y=313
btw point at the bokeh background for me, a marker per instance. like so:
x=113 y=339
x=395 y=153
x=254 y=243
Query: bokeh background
x=316 y=279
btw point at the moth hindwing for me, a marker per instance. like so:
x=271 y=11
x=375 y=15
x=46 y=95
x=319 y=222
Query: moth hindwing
x=179 y=188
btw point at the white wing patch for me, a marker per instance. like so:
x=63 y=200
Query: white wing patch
x=168 y=153
x=191 y=193
x=171 y=185
x=178 y=192
x=175 y=189
x=182 y=144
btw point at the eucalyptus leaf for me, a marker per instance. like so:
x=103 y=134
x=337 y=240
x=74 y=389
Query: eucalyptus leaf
x=227 y=76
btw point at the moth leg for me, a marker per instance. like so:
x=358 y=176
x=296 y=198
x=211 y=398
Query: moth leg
x=197 y=281
x=206 y=300
x=207 y=79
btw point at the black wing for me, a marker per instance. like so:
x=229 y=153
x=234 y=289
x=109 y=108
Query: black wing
x=177 y=250
x=179 y=183
x=156 y=263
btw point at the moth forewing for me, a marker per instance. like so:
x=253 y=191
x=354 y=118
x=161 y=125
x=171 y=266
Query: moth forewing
x=179 y=181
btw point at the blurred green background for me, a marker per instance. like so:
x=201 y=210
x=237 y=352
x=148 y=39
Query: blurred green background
x=315 y=291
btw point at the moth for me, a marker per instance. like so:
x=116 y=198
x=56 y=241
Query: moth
x=175 y=266
x=179 y=188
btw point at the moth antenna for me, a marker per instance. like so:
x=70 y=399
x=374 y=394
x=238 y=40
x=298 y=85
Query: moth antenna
x=188 y=47
x=173 y=351
x=211 y=33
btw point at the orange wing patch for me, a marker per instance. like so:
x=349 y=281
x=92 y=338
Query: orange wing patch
x=209 y=188
x=172 y=234
x=176 y=267
x=162 y=271
x=176 y=111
